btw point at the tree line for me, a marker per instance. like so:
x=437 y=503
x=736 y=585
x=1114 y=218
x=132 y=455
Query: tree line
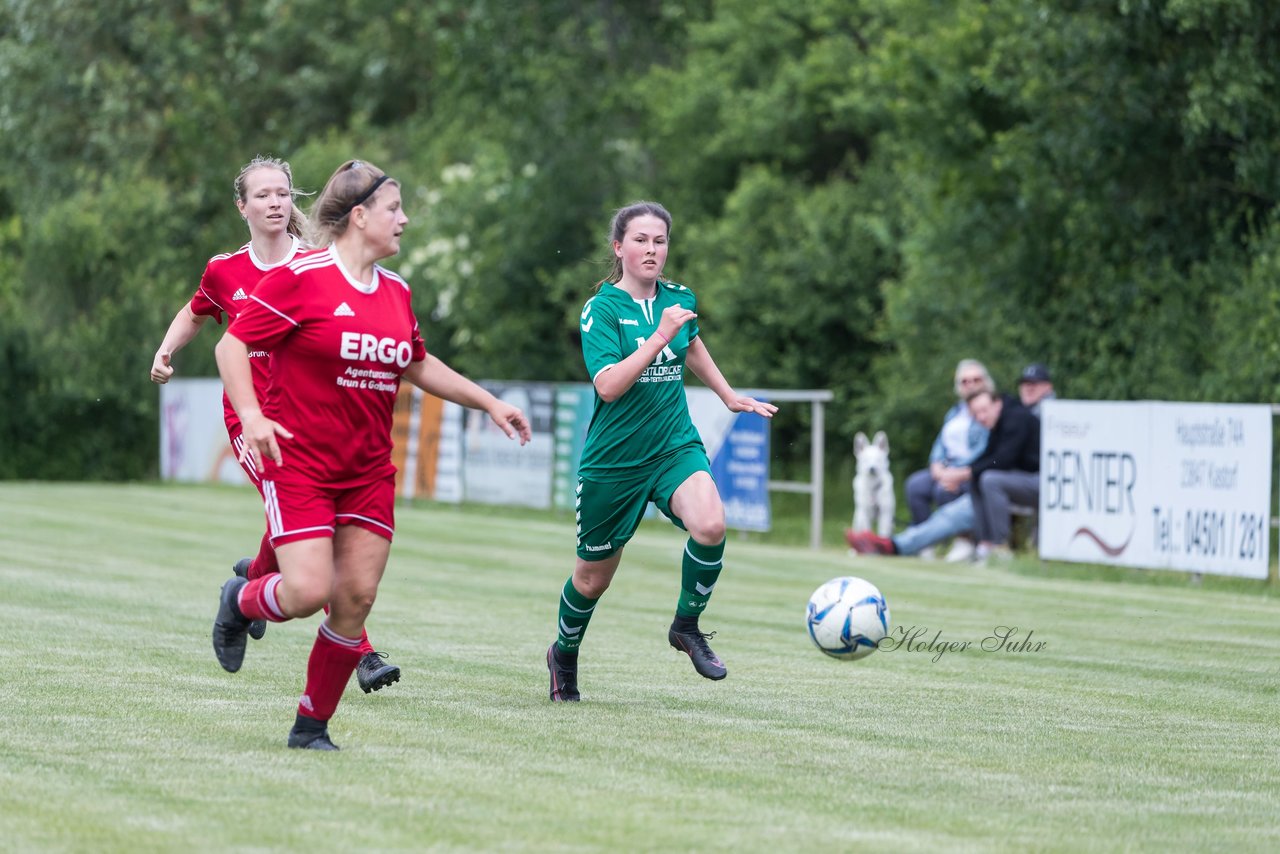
x=864 y=193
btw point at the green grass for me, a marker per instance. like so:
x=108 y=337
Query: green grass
x=1147 y=722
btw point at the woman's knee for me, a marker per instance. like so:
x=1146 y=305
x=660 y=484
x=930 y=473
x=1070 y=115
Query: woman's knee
x=591 y=587
x=707 y=529
x=356 y=590
x=353 y=605
x=592 y=578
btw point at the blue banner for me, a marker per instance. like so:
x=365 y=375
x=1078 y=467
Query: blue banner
x=741 y=471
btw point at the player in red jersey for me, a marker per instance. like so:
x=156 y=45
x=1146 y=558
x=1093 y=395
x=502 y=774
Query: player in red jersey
x=341 y=333
x=264 y=195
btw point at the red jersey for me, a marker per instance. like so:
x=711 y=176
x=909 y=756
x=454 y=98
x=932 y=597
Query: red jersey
x=224 y=289
x=338 y=348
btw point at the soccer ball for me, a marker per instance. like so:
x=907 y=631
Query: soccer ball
x=847 y=617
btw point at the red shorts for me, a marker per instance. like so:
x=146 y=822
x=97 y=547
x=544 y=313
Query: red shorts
x=237 y=448
x=302 y=511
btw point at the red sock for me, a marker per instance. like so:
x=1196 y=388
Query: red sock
x=333 y=660
x=265 y=562
x=258 y=599
x=365 y=646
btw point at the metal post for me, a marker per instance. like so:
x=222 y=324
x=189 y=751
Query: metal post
x=816 y=398
x=816 y=457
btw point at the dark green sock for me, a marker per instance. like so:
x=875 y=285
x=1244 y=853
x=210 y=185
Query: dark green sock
x=575 y=613
x=698 y=573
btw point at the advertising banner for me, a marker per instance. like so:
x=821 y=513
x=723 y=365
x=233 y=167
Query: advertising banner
x=445 y=452
x=193 y=436
x=415 y=433
x=1160 y=485
x=738 y=446
x=498 y=470
x=573 y=415
x=448 y=482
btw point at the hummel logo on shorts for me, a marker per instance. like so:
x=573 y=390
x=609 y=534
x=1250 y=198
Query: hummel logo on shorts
x=343 y=310
x=239 y=294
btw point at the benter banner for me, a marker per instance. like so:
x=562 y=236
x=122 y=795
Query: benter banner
x=1161 y=485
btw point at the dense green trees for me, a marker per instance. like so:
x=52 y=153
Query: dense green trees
x=864 y=193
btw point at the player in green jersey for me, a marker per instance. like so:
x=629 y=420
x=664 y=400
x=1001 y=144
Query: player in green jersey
x=638 y=334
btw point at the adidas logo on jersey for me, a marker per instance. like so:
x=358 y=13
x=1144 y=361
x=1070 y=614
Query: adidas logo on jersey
x=343 y=310
x=239 y=294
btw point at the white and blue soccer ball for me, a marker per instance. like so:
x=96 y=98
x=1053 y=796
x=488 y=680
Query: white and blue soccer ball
x=847 y=618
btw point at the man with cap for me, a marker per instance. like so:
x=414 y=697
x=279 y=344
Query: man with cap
x=1035 y=385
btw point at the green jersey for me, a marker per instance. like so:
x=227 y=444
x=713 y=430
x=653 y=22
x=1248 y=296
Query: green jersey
x=651 y=419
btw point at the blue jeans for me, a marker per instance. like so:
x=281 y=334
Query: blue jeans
x=950 y=520
x=924 y=494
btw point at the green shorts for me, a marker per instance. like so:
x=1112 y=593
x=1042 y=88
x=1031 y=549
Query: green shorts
x=609 y=513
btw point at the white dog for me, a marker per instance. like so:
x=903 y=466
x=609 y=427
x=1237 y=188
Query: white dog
x=873 y=498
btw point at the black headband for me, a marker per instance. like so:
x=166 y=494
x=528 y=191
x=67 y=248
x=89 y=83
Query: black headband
x=364 y=197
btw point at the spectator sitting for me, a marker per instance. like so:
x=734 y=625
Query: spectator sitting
x=950 y=520
x=1035 y=385
x=959 y=441
x=1007 y=472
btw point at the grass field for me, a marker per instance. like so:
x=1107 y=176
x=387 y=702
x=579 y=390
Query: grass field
x=1149 y=720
